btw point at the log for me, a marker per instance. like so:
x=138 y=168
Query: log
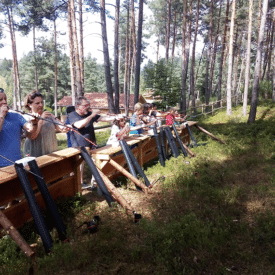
x=129 y=176
x=209 y=134
x=115 y=193
x=188 y=150
x=11 y=230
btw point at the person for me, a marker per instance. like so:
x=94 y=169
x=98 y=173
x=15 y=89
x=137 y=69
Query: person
x=171 y=117
x=83 y=120
x=135 y=120
x=119 y=131
x=43 y=140
x=69 y=110
x=11 y=125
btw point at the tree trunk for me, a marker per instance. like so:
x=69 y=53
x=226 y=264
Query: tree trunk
x=126 y=70
x=273 y=77
x=192 y=69
x=167 y=36
x=133 y=30
x=255 y=90
x=158 y=41
x=219 y=88
x=55 y=67
x=116 y=59
x=230 y=60
x=34 y=58
x=213 y=60
x=16 y=88
x=138 y=55
x=208 y=82
x=81 y=56
x=236 y=65
x=174 y=36
x=80 y=91
x=106 y=58
x=72 y=57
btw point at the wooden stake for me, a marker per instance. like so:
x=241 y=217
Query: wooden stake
x=209 y=134
x=11 y=230
x=129 y=175
x=115 y=193
x=188 y=150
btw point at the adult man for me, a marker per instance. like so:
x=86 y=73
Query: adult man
x=11 y=125
x=83 y=120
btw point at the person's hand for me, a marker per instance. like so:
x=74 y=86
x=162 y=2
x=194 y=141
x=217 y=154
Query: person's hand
x=4 y=110
x=95 y=112
x=46 y=115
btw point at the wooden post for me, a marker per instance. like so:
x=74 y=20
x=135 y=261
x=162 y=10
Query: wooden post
x=209 y=134
x=115 y=193
x=11 y=230
x=188 y=150
x=129 y=176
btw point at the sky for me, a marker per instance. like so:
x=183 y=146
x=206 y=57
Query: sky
x=92 y=39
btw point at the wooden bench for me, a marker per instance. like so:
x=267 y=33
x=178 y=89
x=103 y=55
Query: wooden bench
x=62 y=174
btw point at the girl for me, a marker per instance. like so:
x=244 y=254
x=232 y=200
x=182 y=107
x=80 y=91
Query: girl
x=119 y=131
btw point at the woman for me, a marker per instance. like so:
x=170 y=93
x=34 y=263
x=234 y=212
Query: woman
x=120 y=129
x=43 y=140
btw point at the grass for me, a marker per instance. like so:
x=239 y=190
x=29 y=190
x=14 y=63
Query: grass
x=211 y=215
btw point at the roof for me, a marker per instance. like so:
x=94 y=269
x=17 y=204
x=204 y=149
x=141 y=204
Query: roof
x=99 y=100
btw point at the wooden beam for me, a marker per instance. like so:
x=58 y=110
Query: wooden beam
x=11 y=230
x=209 y=134
x=129 y=176
x=116 y=194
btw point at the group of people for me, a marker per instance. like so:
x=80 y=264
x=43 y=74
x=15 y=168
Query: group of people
x=40 y=127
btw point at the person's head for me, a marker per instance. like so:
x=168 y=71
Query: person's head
x=154 y=114
x=138 y=108
x=146 y=108
x=171 y=110
x=120 y=122
x=82 y=105
x=34 y=102
x=154 y=106
x=3 y=97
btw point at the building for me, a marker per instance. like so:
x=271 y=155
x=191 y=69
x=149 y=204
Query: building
x=100 y=101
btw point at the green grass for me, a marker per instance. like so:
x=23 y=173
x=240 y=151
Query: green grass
x=211 y=215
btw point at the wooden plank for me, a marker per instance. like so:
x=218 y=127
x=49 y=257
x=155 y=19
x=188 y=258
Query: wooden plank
x=209 y=134
x=20 y=213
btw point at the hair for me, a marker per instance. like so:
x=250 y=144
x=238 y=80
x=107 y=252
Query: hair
x=117 y=120
x=78 y=100
x=2 y=91
x=138 y=106
x=30 y=98
x=154 y=114
x=154 y=105
x=170 y=109
x=70 y=109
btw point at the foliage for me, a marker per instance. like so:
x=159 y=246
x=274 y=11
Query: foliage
x=165 y=78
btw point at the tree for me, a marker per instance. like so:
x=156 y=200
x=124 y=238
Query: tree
x=138 y=54
x=248 y=54
x=255 y=90
x=230 y=60
x=106 y=57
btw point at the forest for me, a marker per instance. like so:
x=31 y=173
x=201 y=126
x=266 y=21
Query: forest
x=213 y=50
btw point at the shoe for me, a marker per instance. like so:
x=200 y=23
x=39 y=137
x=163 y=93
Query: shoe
x=85 y=186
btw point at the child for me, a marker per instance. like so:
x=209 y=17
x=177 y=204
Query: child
x=136 y=118
x=120 y=130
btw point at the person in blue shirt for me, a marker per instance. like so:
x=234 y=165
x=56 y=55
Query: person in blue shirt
x=11 y=125
x=135 y=119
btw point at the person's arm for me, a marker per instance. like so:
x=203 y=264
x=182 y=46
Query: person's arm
x=37 y=125
x=83 y=122
x=3 y=112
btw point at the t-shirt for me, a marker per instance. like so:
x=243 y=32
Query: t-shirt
x=10 y=138
x=113 y=140
x=133 y=122
x=46 y=141
x=87 y=131
x=170 y=119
